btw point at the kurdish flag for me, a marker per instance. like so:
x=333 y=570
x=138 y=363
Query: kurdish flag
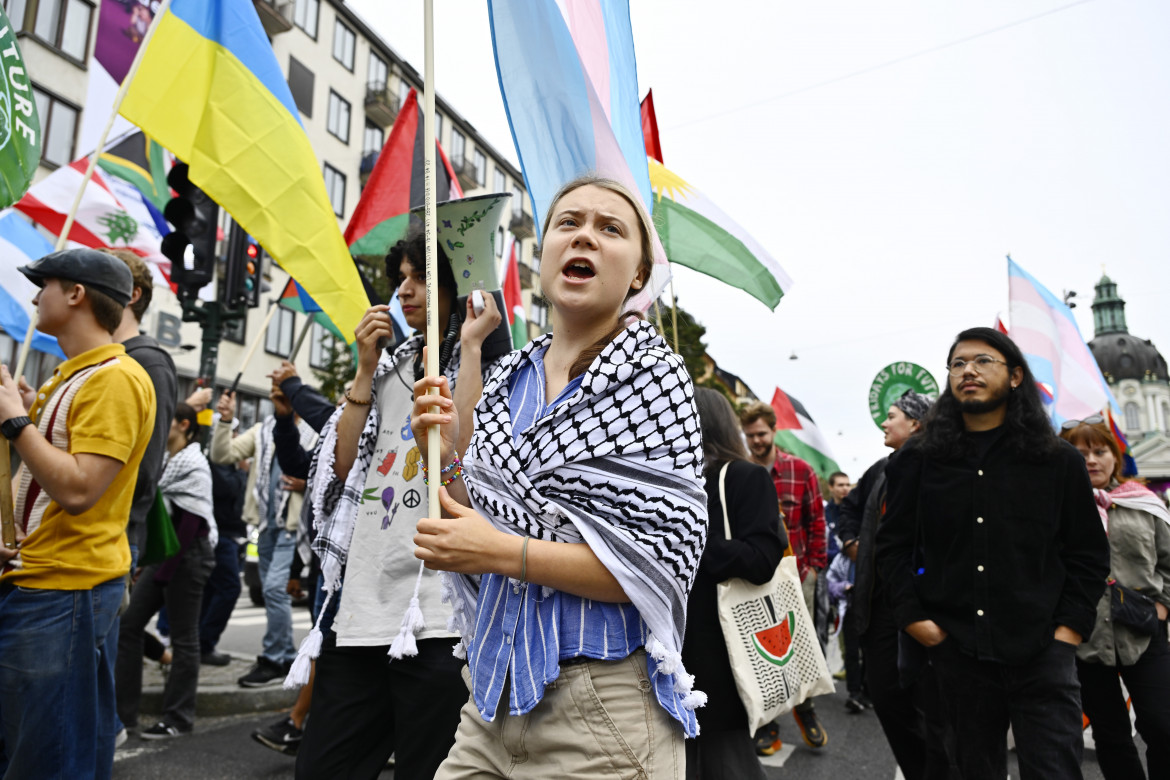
x=798 y=435
x=396 y=186
x=512 y=300
x=570 y=85
x=697 y=234
x=210 y=90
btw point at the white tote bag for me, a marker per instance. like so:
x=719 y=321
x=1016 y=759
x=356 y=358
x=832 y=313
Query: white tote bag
x=776 y=658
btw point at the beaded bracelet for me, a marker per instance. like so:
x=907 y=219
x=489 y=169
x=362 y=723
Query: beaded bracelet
x=451 y=465
x=355 y=401
x=458 y=473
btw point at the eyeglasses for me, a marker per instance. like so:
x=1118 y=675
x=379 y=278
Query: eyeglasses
x=981 y=364
x=1094 y=419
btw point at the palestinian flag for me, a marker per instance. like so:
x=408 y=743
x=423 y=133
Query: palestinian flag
x=798 y=435
x=512 y=300
x=395 y=186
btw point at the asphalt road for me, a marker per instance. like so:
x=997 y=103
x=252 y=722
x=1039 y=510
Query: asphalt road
x=223 y=748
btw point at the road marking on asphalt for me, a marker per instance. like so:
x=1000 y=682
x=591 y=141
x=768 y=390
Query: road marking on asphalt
x=779 y=757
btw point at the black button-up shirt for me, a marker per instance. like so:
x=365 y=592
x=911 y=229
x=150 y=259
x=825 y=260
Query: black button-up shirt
x=995 y=549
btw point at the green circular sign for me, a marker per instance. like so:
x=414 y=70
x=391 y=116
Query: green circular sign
x=892 y=382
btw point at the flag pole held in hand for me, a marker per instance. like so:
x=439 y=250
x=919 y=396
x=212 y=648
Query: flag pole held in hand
x=252 y=349
x=434 y=464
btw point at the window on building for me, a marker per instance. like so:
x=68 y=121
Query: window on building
x=458 y=147
x=279 y=338
x=344 y=42
x=517 y=201
x=58 y=128
x=14 y=9
x=379 y=73
x=1133 y=421
x=500 y=182
x=373 y=139
x=337 y=122
x=500 y=241
x=246 y=410
x=439 y=128
x=539 y=312
x=63 y=24
x=1166 y=416
x=321 y=348
x=480 y=168
x=335 y=186
x=300 y=84
x=403 y=90
x=305 y=14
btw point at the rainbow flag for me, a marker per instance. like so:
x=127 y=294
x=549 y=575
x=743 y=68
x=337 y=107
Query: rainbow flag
x=210 y=90
x=1129 y=465
x=570 y=85
x=395 y=186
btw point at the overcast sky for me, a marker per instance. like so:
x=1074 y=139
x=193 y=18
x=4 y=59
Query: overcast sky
x=889 y=156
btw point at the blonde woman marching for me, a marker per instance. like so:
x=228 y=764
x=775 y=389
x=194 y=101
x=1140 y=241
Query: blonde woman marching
x=570 y=571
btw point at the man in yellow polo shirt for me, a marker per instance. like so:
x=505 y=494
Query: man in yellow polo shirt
x=80 y=438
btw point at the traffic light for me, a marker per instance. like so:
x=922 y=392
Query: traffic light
x=191 y=245
x=242 y=282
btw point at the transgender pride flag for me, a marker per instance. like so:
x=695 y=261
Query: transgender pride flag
x=570 y=87
x=1045 y=331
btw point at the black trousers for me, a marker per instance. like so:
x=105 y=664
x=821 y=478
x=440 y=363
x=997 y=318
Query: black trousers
x=912 y=718
x=1041 y=700
x=366 y=706
x=854 y=679
x=1148 y=682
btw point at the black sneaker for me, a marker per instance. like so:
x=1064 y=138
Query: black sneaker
x=162 y=730
x=215 y=659
x=811 y=729
x=282 y=736
x=768 y=739
x=264 y=672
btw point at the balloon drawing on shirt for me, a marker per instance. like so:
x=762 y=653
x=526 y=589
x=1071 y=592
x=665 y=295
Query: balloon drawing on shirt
x=387 y=500
x=410 y=470
x=407 y=433
x=387 y=462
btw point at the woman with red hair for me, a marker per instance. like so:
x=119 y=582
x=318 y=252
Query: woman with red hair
x=1129 y=639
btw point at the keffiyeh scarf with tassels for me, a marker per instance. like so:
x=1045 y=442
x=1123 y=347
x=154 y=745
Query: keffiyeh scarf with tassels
x=619 y=466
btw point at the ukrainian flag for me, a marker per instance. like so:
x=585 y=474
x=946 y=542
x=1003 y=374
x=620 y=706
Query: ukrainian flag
x=210 y=90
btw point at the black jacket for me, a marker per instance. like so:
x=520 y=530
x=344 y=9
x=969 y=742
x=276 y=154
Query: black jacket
x=160 y=368
x=753 y=553
x=997 y=550
x=861 y=512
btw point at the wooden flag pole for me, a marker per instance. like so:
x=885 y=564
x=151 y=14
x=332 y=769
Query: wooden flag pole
x=252 y=348
x=296 y=350
x=97 y=153
x=434 y=464
x=7 y=522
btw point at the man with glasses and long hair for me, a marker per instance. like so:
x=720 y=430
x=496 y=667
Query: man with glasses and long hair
x=994 y=558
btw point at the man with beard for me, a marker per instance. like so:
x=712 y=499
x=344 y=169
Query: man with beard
x=993 y=557
x=804 y=515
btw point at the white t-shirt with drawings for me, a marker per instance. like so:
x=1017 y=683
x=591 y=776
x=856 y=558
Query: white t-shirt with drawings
x=381 y=569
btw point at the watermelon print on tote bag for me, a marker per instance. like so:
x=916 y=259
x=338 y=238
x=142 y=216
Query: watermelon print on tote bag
x=775 y=656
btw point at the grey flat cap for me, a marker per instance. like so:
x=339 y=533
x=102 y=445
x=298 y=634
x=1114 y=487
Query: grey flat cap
x=98 y=270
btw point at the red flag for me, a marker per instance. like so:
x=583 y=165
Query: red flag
x=650 y=127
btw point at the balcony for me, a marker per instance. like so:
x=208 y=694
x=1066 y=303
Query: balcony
x=465 y=170
x=381 y=104
x=276 y=17
x=522 y=225
x=526 y=276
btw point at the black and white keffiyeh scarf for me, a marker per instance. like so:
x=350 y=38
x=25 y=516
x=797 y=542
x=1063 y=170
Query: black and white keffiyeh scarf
x=186 y=483
x=619 y=466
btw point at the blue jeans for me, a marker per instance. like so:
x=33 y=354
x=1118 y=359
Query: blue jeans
x=220 y=594
x=110 y=648
x=276 y=548
x=56 y=694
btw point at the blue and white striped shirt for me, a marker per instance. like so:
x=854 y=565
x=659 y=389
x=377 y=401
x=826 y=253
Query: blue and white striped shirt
x=522 y=630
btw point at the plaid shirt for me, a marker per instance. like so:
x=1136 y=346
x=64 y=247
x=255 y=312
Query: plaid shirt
x=797 y=486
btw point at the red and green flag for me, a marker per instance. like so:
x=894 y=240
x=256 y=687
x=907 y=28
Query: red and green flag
x=798 y=435
x=512 y=300
x=395 y=186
